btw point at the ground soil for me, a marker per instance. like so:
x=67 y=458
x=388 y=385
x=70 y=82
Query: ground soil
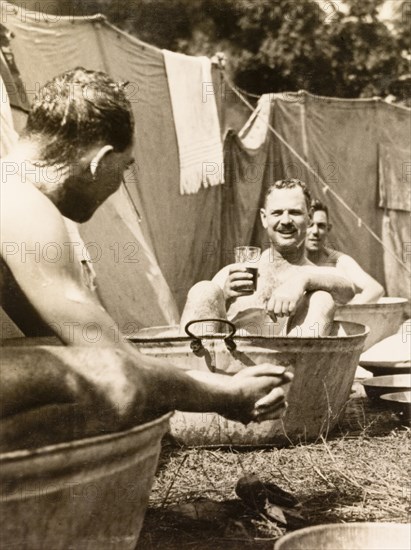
x=361 y=472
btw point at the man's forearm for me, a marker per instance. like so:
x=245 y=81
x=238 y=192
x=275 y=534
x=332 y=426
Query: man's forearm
x=341 y=289
x=236 y=397
x=127 y=386
x=171 y=388
x=369 y=295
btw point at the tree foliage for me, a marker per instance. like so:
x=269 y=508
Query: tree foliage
x=278 y=45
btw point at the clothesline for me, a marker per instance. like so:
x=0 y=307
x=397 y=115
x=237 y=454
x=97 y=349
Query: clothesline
x=326 y=188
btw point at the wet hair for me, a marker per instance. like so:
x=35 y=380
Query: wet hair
x=77 y=109
x=318 y=206
x=291 y=183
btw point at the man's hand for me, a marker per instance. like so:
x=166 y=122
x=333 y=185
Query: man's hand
x=256 y=393
x=286 y=298
x=238 y=283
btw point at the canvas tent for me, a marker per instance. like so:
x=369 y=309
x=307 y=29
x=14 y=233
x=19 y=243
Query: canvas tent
x=358 y=147
x=130 y=283
x=44 y=47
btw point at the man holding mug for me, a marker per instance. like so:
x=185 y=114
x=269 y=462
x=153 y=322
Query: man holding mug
x=298 y=297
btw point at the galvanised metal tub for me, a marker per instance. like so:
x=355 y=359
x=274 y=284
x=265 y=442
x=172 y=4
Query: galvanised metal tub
x=323 y=368
x=89 y=494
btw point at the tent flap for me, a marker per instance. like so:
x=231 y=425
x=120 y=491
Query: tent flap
x=354 y=147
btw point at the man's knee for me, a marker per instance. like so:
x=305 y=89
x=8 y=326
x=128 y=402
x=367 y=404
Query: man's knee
x=322 y=308
x=205 y=290
x=322 y=301
x=205 y=300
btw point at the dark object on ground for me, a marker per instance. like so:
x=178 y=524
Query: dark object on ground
x=254 y=493
x=269 y=499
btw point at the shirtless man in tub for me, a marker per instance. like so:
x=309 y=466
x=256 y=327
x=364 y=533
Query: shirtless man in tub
x=293 y=297
x=368 y=290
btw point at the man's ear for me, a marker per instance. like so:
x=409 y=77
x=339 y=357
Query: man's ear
x=98 y=158
x=263 y=216
x=330 y=226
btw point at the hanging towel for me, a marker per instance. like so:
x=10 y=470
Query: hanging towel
x=196 y=121
x=394 y=177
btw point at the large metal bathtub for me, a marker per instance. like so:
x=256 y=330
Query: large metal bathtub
x=323 y=368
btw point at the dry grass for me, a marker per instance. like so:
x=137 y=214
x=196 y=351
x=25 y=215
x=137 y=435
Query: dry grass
x=356 y=476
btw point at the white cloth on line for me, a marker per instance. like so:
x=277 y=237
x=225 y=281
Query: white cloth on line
x=196 y=121
x=254 y=133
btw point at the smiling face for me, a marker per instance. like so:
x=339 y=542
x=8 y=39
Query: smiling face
x=285 y=217
x=317 y=232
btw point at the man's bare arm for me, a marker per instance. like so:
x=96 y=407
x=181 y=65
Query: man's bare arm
x=59 y=393
x=53 y=285
x=370 y=290
x=330 y=280
x=286 y=298
x=55 y=290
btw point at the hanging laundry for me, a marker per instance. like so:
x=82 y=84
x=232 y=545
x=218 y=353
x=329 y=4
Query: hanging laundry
x=394 y=174
x=254 y=133
x=196 y=121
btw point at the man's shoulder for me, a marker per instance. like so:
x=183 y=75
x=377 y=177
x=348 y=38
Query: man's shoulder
x=346 y=261
x=330 y=257
x=266 y=258
x=26 y=212
x=341 y=255
x=308 y=264
x=265 y=255
x=20 y=195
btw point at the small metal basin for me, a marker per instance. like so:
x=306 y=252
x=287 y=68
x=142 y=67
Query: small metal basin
x=400 y=403
x=383 y=318
x=377 y=386
x=392 y=355
x=385 y=369
x=348 y=536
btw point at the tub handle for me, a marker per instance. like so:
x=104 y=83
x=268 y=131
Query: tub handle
x=196 y=344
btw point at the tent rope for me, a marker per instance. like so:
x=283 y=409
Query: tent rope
x=244 y=92
x=325 y=186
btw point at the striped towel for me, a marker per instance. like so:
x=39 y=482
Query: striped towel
x=196 y=121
